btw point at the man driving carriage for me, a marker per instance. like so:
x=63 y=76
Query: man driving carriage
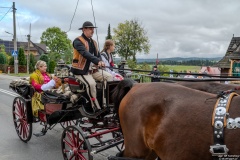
x=86 y=60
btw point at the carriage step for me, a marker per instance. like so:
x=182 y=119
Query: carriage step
x=92 y=115
x=106 y=147
x=39 y=134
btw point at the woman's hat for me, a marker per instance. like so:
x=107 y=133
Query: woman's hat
x=87 y=24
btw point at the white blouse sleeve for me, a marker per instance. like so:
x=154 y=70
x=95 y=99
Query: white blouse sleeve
x=48 y=85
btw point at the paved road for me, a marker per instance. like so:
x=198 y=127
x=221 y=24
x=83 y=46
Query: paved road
x=47 y=147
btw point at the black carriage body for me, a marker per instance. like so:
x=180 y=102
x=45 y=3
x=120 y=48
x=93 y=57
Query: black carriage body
x=57 y=109
x=50 y=99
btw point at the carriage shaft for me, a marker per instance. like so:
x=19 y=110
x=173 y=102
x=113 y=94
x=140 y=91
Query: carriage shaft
x=101 y=133
x=107 y=147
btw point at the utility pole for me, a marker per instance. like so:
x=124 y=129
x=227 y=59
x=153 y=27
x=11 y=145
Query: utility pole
x=15 y=40
x=28 y=53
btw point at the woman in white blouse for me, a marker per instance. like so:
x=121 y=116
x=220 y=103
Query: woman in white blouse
x=106 y=55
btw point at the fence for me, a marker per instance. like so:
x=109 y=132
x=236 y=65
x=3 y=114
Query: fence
x=4 y=68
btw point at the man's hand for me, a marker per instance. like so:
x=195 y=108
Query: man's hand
x=101 y=64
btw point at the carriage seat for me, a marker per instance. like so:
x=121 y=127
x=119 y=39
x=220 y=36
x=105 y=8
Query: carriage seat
x=53 y=97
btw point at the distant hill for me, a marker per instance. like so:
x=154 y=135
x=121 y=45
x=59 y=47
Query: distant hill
x=178 y=59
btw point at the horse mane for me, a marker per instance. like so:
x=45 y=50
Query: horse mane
x=120 y=91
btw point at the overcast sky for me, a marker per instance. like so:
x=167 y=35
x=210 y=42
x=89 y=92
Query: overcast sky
x=175 y=28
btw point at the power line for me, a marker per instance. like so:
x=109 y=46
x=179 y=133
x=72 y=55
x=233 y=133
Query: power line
x=73 y=17
x=19 y=28
x=6 y=13
x=95 y=25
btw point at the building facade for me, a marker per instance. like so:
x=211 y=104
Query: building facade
x=230 y=63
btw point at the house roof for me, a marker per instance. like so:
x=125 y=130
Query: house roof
x=9 y=46
x=233 y=52
x=234 y=45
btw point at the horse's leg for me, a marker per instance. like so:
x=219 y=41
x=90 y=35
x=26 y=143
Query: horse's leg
x=134 y=131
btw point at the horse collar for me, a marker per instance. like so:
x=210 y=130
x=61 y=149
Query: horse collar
x=221 y=119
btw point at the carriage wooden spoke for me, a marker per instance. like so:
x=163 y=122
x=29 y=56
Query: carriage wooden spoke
x=23 y=128
x=74 y=145
x=68 y=123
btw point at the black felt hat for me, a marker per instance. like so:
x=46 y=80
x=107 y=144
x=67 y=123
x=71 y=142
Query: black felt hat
x=87 y=24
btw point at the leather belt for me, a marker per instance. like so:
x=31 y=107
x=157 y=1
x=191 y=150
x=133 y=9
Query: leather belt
x=92 y=71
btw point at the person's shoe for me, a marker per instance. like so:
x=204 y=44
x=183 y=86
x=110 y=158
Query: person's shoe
x=36 y=119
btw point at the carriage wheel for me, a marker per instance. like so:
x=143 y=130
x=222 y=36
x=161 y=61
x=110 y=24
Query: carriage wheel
x=74 y=145
x=118 y=136
x=68 y=123
x=23 y=128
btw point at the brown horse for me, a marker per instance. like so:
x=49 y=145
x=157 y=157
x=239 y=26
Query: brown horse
x=170 y=121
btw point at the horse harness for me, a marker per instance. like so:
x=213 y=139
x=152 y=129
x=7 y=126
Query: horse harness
x=220 y=120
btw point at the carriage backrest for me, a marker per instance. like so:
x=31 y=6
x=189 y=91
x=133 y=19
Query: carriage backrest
x=22 y=87
x=75 y=85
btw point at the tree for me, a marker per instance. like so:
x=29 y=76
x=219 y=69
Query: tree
x=44 y=58
x=56 y=40
x=11 y=61
x=52 y=65
x=53 y=56
x=131 y=63
x=145 y=67
x=109 y=36
x=3 y=51
x=130 y=38
x=68 y=56
x=3 y=59
x=32 y=63
x=21 y=57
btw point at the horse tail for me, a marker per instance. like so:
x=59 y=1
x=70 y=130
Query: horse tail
x=120 y=91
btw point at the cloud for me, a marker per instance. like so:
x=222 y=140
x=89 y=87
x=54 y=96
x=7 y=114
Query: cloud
x=183 y=28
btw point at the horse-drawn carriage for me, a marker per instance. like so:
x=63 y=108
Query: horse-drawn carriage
x=80 y=122
x=161 y=120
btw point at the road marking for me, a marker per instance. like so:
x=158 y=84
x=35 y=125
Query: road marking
x=9 y=92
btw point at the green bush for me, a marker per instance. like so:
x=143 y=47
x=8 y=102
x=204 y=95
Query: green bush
x=11 y=61
x=21 y=57
x=44 y=58
x=52 y=65
x=3 y=59
x=32 y=63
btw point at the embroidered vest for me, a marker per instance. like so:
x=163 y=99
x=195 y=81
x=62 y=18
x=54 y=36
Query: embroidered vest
x=81 y=61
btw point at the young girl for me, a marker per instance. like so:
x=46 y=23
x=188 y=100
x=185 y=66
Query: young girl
x=106 y=55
